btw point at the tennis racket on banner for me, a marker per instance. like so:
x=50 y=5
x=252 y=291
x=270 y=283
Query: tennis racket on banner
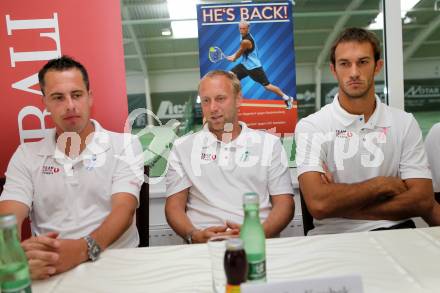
x=215 y=54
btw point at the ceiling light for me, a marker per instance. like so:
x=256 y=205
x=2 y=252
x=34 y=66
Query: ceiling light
x=408 y=20
x=377 y=23
x=166 y=32
x=407 y=5
x=184 y=29
x=183 y=9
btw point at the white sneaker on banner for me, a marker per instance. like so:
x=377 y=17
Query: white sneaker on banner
x=289 y=103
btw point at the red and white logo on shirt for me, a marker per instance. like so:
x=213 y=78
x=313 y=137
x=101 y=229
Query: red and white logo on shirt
x=50 y=170
x=343 y=133
x=208 y=157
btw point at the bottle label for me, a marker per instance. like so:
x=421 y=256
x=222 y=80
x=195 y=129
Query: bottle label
x=23 y=289
x=257 y=270
x=232 y=288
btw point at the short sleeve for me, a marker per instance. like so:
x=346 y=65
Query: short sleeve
x=176 y=178
x=309 y=148
x=279 y=180
x=432 y=145
x=129 y=174
x=413 y=162
x=18 y=184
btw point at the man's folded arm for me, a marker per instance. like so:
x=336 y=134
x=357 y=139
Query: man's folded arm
x=327 y=200
x=417 y=201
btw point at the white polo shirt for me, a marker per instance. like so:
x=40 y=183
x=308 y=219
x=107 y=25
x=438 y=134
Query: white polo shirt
x=432 y=145
x=218 y=174
x=389 y=144
x=73 y=197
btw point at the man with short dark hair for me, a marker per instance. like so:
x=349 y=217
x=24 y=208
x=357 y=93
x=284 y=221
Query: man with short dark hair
x=210 y=170
x=361 y=164
x=79 y=185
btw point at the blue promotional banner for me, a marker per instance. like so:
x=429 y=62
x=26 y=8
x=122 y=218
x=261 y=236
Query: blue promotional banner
x=266 y=67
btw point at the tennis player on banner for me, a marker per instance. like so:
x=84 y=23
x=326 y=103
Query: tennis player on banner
x=250 y=64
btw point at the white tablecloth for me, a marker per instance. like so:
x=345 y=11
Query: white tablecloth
x=388 y=261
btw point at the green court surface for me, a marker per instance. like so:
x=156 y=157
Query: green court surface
x=427 y=119
x=157 y=141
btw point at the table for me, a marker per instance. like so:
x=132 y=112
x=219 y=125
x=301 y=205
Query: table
x=388 y=261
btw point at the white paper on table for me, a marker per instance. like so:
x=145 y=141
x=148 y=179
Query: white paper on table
x=339 y=284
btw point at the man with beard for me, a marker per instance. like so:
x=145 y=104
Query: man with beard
x=362 y=164
x=210 y=170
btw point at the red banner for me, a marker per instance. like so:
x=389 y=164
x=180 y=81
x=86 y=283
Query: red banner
x=270 y=115
x=32 y=32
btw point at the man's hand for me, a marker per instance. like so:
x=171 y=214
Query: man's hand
x=202 y=236
x=391 y=186
x=327 y=176
x=230 y=58
x=71 y=253
x=416 y=201
x=233 y=227
x=42 y=254
x=433 y=217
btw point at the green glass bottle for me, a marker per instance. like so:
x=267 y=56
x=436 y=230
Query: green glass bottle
x=14 y=269
x=252 y=234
